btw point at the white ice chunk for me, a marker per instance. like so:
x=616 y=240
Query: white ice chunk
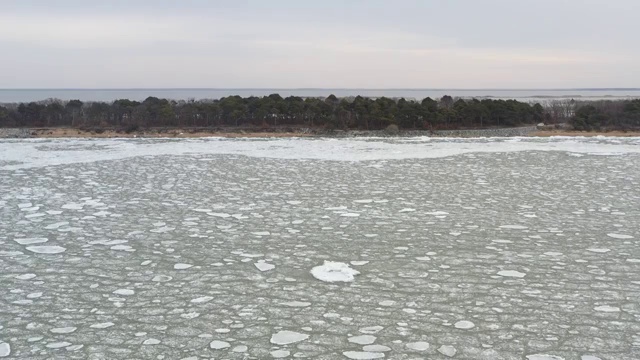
x=151 y=341
x=359 y=263
x=182 y=266
x=362 y=339
x=599 y=250
x=103 y=325
x=511 y=273
x=202 y=299
x=607 y=308
x=348 y=214
x=418 y=346
x=286 y=337
x=124 y=292
x=296 y=303
x=371 y=329
x=45 y=249
x=29 y=241
x=447 y=350
x=5 y=349
x=620 y=236
x=263 y=266
x=332 y=271
x=162 y=278
x=363 y=355
x=278 y=354
x=64 y=330
x=464 y=325
x=26 y=276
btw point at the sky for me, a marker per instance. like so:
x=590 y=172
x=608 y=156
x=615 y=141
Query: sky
x=463 y=44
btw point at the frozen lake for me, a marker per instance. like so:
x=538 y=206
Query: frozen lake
x=518 y=248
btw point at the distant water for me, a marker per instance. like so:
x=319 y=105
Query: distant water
x=25 y=95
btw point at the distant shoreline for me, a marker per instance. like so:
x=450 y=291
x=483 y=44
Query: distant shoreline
x=54 y=133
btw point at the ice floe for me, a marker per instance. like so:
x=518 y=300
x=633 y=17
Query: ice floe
x=332 y=271
x=362 y=339
x=5 y=349
x=620 y=236
x=418 y=346
x=264 y=266
x=30 y=241
x=511 y=273
x=286 y=337
x=464 y=325
x=447 y=350
x=606 y=308
x=181 y=266
x=46 y=249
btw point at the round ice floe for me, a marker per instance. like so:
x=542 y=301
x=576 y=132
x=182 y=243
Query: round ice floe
x=447 y=350
x=332 y=271
x=202 y=299
x=511 y=273
x=102 y=325
x=371 y=329
x=64 y=330
x=151 y=341
x=606 y=308
x=620 y=236
x=363 y=355
x=359 y=263
x=217 y=344
x=278 y=354
x=124 y=292
x=240 y=349
x=464 y=325
x=362 y=339
x=418 y=346
x=598 y=250
x=286 y=337
x=30 y=241
x=296 y=303
x=350 y=214
x=25 y=276
x=162 y=278
x=263 y=266
x=5 y=349
x=182 y=266
x=44 y=249
x=58 y=345
x=544 y=357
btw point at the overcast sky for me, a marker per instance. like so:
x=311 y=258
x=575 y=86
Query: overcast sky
x=325 y=43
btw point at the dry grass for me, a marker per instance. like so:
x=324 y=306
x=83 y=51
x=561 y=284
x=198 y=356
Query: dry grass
x=76 y=133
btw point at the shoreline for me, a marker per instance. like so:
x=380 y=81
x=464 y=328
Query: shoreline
x=52 y=133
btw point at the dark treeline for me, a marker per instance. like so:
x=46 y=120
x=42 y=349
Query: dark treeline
x=274 y=111
x=606 y=115
x=331 y=112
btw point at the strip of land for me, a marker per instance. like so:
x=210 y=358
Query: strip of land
x=65 y=132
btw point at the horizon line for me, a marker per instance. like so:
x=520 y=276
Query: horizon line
x=338 y=88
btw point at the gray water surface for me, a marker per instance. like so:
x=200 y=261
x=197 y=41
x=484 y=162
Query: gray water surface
x=508 y=255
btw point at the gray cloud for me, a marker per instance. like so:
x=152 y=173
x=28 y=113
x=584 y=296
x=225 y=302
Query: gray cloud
x=377 y=44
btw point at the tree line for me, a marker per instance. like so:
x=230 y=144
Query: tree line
x=293 y=111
